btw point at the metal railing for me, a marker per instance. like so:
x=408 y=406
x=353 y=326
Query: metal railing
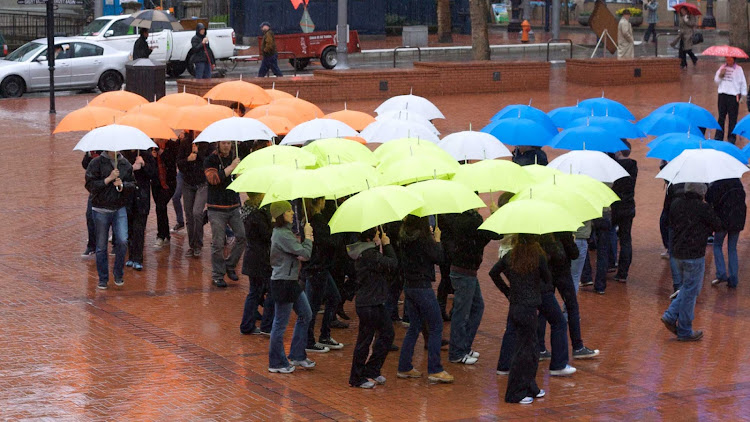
x=568 y=40
x=403 y=47
x=19 y=28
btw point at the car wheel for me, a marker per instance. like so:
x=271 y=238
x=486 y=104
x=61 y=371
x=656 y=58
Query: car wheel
x=329 y=57
x=12 y=87
x=110 y=81
x=299 y=64
x=175 y=69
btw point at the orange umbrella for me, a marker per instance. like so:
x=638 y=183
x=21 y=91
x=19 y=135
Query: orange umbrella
x=307 y=109
x=278 y=124
x=182 y=99
x=200 y=117
x=241 y=92
x=277 y=95
x=118 y=100
x=274 y=109
x=153 y=127
x=165 y=112
x=356 y=119
x=88 y=118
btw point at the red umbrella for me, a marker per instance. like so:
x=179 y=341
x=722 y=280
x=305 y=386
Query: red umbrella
x=725 y=51
x=691 y=8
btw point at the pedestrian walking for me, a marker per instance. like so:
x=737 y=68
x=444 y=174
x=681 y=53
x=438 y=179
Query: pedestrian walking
x=190 y=159
x=201 y=55
x=732 y=87
x=623 y=213
x=602 y=228
x=582 y=237
x=268 y=52
x=256 y=265
x=141 y=49
x=165 y=157
x=145 y=173
x=625 y=41
x=688 y=23
x=727 y=198
x=90 y=224
x=652 y=18
x=177 y=203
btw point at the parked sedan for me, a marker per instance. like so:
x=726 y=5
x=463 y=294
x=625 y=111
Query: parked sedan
x=79 y=64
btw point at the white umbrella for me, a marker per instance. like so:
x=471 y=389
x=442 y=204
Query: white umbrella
x=235 y=129
x=471 y=145
x=408 y=116
x=317 y=129
x=594 y=164
x=383 y=131
x=702 y=166
x=413 y=103
x=114 y=138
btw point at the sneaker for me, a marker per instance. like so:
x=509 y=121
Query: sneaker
x=568 y=370
x=621 y=279
x=330 y=343
x=189 y=253
x=710 y=240
x=307 y=363
x=129 y=264
x=466 y=360
x=697 y=335
x=265 y=333
x=89 y=252
x=321 y=311
x=717 y=282
x=674 y=295
x=220 y=283
x=587 y=283
x=177 y=227
x=499 y=372
x=287 y=370
x=665 y=255
x=102 y=286
x=119 y=282
x=380 y=380
x=545 y=355
x=474 y=354
x=526 y=400
x=443 y=377
x=138 y=266
x=410 y=374
x=671 y=326
x=232 y=275
x=339 y=324
x=405 y=324
x=317 y=348
x=367 y=385
x=541 y=394
x=254 y=331
x=599 y=292
x=585 y=353
x=160 y=243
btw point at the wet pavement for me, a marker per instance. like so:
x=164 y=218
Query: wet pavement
x=167 y=346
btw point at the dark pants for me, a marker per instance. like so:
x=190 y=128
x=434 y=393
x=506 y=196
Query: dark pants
x=177 y=200
x=320 y=286
x=219 y=221
x=468 y=308
x=624 y=235
x=372 y=320
x=602 y=259
x=728 y=107
x=90 y=226
x=258 y=289
x=525 y=362
x=444 y=288
x=651 y=30
x=161 y=200
x=203 y=70
x=269 y=63
x=664 y=227
x=422 y=307
x=682 y=53
x=136 y=235
x=394 y=294
x=195 y=203
x=567 y=291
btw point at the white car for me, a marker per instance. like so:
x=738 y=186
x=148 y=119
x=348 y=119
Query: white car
x=79 y=64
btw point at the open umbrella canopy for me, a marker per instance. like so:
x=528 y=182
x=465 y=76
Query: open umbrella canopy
x=520 y=131
x=561 y=116
x=279 y=125
x=114 y=138
x=383 y=131
x=587 y=138
x=182 y=99
x=235 y=129
x=87 y=118
x=595 y=164
x=118 y=100
x=444 y=197
x=525 y=112
x=303 y=183
x=373 y=207
x=691 y=8
x=154 y=20
x=305 y=109
x=258 y=179
x=531 y=216
x=725 y=51
x=358 y=176
x=406 y=147
x=200 y=117
x=574 y=202
x=538 y=173
x=606 y=107
x=492 y=176
x=274 y=109
x=668 y=147
x=415 y=169
x=357 y=120
x=153 y=127
x=694 y=113
x=275 y=94
x=282 y=155
x=317 y=129
x=408 y=116
x=241 y=92
x=413 y=103
x=657 y=124
x=593 y=190
x=742 y=128
x=339 y=151
x=164 y=112
x=702 y=166
x=614 y=125
x=471 y=145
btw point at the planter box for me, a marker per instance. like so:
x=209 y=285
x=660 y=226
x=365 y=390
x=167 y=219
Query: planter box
x=584 y=20
x=612 y=72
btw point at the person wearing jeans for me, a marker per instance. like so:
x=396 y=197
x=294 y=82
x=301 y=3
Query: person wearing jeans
x=282 y=311
x=582 y=242
x=190 y=160
x=727 y=198
x=90 y=225
x=268 y=52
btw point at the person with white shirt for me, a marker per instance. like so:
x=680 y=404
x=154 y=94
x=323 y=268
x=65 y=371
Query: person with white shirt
x=732 y=87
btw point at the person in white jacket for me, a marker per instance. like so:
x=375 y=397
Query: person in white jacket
x=732 y=87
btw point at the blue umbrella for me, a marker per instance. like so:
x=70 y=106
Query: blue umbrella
x=615 y=125
x=657 y=124
x=743 y=127
x=519 y=131
x=606 y=107
x=671 y=145
x=561 y=116
x=696 y=114
x=588 y=138
x=525 y=112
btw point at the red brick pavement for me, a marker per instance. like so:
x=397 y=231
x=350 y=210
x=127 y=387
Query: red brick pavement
x=167 y=346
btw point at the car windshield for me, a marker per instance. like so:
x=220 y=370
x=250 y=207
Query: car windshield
x=94 y=27
x=25 y=52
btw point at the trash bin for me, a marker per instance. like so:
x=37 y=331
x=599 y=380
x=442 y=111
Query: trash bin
x=145 y=78
x=415 y=36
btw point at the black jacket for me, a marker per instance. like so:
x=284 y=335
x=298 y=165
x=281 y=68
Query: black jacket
x=192 y=171
x=467 y=249
x=625 y=189
x=141 y=49
x=417 y=259
x=524 y=289
x=727 y=197
x=533 y=156
x=219 y=197
x=169 y=158
x=691 y=221
x=324 y=246
x=106 y=195
x=373 y=272
x=561 y=249
x=258 y=229
x=87 y=157
x=198 y=52
x=148 y=174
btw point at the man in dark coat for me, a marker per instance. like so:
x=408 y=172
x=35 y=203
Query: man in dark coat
x=200 y=53
x=623 y=212
x=90 y=226
x=727 y=198
x=141 y=49
x=165 y=158
x=528 y=155
x=190 y=158
x=268 y=52
x=145 y=173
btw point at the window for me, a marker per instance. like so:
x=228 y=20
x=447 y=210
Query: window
x=121 y=28
x=82 y=49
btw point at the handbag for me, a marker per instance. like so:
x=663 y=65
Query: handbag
x=697 y=37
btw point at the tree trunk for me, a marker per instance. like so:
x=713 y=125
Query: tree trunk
x=480 y=43
x=739 y=36
x=444 y=21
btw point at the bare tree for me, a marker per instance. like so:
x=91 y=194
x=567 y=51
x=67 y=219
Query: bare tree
x=444 y=21
x=739 y=35
x=480 y=43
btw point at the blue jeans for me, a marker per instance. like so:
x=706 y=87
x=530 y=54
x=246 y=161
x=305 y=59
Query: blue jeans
x=682 y=309
x=721 y=269
x=282 y=311
x=269 y=63
x=468 y=307
x=90 y=226
x=177 y=200
x=118 y=220
x=203 y=70
x=422 y=306
x=576 y=266
x=319 y=287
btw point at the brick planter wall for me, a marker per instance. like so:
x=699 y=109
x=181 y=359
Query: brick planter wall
x=611 y=72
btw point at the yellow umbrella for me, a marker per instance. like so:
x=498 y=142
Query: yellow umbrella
x=373 y=207
x=358 y=176
x=416 y=168
x=593 y=190
x=489 y=176
x=531 y=216
x=409 y=146
x=578 y=205
x=339 y=151
x=277 y=155
x=444 y=197
x=258 y=179
x=538 y=173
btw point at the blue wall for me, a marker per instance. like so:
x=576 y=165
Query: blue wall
x=113 y=9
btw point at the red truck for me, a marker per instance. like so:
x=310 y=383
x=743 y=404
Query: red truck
x=302 y=48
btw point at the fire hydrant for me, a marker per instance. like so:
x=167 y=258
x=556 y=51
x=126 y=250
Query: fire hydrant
x=525 y=29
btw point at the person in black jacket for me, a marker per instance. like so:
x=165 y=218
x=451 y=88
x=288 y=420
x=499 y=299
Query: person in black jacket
x=373 y=270
x=623 y=212
x=528 y=155
x=468 y=304
x=256 y=265
x=109 y=179
x=201 y=55
x=727 y=198
x=145 y=173
x=90 y=226
x=141 y=49
x=691 y=221
x=319 y=284
x=223 y=209
x=165 y=157
x=190 y=158
x=444 y=287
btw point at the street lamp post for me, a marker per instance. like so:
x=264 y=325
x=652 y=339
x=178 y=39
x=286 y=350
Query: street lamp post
x=709 y=21
x=342 y=33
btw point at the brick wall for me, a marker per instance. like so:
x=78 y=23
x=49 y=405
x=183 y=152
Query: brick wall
x=611 y=72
